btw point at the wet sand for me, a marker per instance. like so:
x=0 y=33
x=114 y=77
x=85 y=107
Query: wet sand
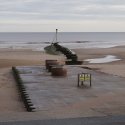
x=115 y=68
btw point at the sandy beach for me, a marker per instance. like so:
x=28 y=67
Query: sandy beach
x=10 y=101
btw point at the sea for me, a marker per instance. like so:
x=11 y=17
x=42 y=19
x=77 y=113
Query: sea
x=73 y=40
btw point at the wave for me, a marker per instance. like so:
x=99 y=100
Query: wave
x=6 y=42
x=39 y=45
x=59 y=42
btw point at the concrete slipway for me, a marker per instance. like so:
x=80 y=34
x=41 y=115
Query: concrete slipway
x=59 y=97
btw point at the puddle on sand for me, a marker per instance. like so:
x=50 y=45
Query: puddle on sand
x=106 y=59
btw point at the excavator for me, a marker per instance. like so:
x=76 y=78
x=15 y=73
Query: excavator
x=56 y=48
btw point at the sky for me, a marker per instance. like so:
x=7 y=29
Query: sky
x=65 y=15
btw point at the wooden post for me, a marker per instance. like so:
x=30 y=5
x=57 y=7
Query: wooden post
x=78 y=80
x=82 y=82
x=56 y=34
x=90 y=80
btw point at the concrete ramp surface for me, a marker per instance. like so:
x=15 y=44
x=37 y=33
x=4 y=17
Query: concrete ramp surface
x=61 y=98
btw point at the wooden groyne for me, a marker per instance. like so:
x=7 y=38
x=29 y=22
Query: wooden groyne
x=22 y=90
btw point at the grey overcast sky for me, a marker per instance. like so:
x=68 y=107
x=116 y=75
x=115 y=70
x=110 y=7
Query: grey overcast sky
x=66 y=15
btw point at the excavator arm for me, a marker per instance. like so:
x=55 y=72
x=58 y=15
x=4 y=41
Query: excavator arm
x=70 y=55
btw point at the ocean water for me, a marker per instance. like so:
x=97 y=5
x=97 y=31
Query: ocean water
x=38 y=40
x=106 y=59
